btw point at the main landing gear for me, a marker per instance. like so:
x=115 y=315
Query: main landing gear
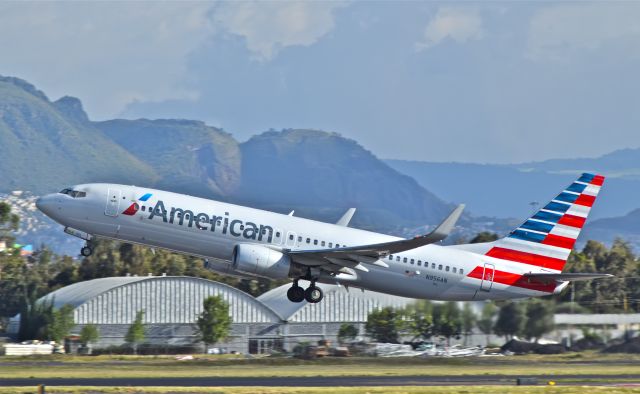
x=313 y=294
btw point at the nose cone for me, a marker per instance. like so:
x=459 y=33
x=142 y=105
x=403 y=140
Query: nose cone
x=46 y=204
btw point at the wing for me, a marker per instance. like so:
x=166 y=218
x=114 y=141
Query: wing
x=355 y=256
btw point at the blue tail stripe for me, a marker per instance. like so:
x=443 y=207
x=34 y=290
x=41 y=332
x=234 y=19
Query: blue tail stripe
x=527 y=236
x=537 y=226
x=576 y=187
x=586 y=178
x=567 y=197
x=145 y=197
x=547 y=216
x=558 y=207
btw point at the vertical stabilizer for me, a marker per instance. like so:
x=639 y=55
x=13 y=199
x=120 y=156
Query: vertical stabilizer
x=545 y=239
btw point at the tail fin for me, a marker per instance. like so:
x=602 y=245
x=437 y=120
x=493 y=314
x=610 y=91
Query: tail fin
x=545 y=239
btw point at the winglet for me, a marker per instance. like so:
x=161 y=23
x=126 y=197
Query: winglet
x=291 y=213
x=444 y=229
x=346 y=218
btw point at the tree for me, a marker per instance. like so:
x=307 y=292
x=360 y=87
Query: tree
x=446 y=320
x=89 y=334
x=347 y=333
x=135 y=334
x=214 y=323
x=468 y=319
x=487 y=317
x=382 y=325
x=539 y=318
x=511 y=320
x=8 y=221
x=417 y=320
x=61 y=323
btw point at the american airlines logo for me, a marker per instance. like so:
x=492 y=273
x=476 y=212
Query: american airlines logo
x=133 y=208
x=213 y=223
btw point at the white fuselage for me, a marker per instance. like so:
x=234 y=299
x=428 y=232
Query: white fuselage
x=212 y=229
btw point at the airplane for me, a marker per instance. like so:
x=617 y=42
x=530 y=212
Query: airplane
x=250 y=243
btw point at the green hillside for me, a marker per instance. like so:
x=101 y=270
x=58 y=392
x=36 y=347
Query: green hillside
x=188 y=155
x=46 y=145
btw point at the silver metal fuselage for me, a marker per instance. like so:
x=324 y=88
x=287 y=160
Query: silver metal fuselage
x=441 y=275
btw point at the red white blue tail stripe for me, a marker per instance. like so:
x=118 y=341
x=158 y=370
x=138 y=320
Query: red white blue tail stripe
x=545 y=239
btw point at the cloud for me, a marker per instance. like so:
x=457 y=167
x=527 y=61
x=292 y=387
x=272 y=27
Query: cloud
x=126 y=51
x=458 y=24
x=562 y=31
x=269 y=26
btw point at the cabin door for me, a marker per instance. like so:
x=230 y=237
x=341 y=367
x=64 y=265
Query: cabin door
x=487 y=277
x=113 y=202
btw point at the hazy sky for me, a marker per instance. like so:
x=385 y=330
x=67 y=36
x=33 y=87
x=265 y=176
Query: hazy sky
x=482 y=82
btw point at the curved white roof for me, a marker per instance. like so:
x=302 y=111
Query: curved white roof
x=164 y=300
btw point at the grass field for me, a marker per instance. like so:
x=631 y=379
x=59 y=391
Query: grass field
x=150 y=367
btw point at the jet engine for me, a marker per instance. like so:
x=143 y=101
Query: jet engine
x=257 y=260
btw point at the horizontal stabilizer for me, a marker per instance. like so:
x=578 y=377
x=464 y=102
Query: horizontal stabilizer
x=564 y=277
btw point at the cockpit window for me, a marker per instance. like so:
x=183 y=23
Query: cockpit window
x=73 y=193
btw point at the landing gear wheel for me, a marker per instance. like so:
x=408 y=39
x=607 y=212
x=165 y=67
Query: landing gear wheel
x=296 y=293
x=313 y=294
x=86 y=251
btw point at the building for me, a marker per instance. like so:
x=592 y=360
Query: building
x=172 y=304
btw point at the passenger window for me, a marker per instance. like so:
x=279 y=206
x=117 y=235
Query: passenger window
x=404 y=260
x=461 y=271
x=315 y=241
x=433 y=266
x=413 y=261
x=397 y=258
x=291 y=237
x=419 y=263
x=277 y=234
x=391 y=257
x=322 y=243
x=440 y=267
x=143 y=208
x=447 y=269
x=454 y=270
x=337 y=245
x=308 y=240
x=331 y=244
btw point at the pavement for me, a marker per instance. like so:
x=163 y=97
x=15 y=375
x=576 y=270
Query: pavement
x=333 y=381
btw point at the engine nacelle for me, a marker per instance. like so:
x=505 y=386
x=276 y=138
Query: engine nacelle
x=257 y=260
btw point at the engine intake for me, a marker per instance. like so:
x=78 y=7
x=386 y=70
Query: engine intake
x=257 y=260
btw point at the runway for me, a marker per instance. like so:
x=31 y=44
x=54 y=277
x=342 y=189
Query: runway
x=319 y=381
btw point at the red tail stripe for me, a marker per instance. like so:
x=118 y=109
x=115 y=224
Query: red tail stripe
x=511 y=279
x=586 y=200
x=572 y=220
x=597 y=180
x=559 y=241
x=527 y=258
